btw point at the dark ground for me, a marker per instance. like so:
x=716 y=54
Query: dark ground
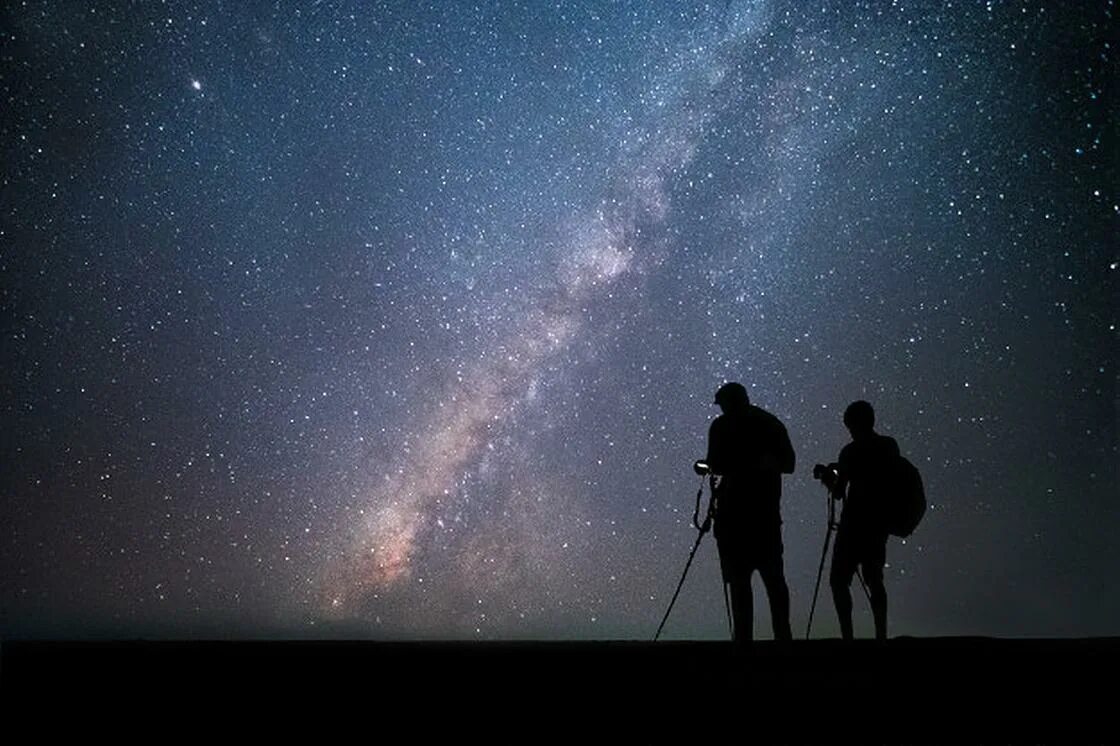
x=947 y=690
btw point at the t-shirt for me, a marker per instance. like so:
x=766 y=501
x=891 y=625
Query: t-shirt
x=750 y=449
x=866 y=465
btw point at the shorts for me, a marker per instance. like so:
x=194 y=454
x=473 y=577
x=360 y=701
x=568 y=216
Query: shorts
x=865 y=549
x=742 y=551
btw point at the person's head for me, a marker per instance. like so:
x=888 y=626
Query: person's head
x=859 y=418
x=732 y=396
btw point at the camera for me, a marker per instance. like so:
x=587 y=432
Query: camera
x=826 y=474
x=701 y=467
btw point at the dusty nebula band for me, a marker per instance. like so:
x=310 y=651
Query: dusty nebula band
x=603 y=247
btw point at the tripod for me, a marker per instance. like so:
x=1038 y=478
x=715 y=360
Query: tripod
x=833 y=525
x=702 y=529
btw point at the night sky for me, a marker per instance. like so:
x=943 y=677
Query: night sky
x=403 y=320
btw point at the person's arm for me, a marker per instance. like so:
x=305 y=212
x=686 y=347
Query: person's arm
x=840 y=487
x=776 y=452
x=715 y=467
x=715 y=447
x=788 y=458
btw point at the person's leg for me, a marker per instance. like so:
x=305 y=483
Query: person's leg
x=742 y=608
x=876 y=588
x=840 y=579
x=773 y=576
x=737 y=581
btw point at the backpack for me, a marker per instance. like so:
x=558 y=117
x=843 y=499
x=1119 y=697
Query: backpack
x=907 y=502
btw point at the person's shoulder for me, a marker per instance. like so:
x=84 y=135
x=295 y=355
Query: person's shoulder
x=887 y=441
x=886 y=445
x=768 y=417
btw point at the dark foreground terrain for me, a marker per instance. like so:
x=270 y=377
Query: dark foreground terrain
x=906 y=690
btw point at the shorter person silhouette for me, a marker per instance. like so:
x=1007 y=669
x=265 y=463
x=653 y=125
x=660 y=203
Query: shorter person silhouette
x=864 y=469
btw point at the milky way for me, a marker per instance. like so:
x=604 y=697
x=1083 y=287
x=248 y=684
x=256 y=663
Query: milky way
x=397 y=320
x=601 y=247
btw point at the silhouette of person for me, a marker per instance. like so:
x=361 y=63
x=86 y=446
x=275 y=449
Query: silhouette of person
x=748 y=451
x=863 y=469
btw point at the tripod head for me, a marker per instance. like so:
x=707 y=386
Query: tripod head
x=706 y=525
x=701 y=468
x=829 y=475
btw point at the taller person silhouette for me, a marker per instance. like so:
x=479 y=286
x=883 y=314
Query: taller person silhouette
x=748 y=451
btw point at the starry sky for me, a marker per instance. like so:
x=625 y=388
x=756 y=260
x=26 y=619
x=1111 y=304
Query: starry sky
x=402 y=320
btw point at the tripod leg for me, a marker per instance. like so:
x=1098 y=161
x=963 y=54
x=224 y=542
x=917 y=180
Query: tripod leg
x=691 y=556
x=877 y=597
x=820 y=571
x=727 y=605
x=864 y=586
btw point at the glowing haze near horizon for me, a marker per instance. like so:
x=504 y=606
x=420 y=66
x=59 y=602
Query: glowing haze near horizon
x=398 y=320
